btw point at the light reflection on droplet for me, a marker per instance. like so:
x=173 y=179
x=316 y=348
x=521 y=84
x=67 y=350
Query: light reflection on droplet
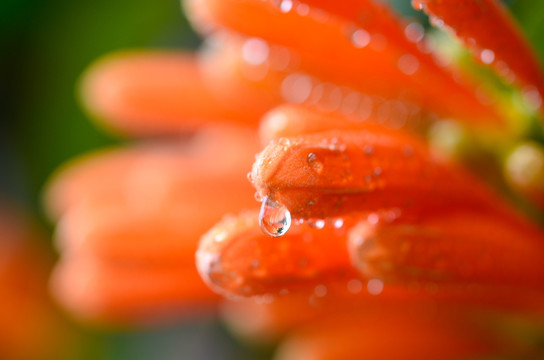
x=296 y=88
x=286 y=6
x=408 y=64
x=274 y=219
x=320 y=290
x=373 y=218
x=355 y=286
x=374 y=286
x=314 y=162
x=487 y=56
x=418 y=4
x=255 y=51
x=303 y=9
x=414 y=32
x=316 y=223
x=532 y=97
x=350 y=103
x=360 y=38
x=338 y=223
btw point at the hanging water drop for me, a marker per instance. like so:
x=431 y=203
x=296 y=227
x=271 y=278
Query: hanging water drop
x=274 y=219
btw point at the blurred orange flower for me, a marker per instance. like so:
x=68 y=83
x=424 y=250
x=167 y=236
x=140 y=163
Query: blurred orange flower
x=30 y=327
x=375 y=242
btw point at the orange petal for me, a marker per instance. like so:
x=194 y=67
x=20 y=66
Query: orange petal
x=487 y=28
x=293 y=120
x=245 y=74
x=388 y=336
x=459 y=247
x=236 y=258
x=375 y=66
x=152 y=174
x=128 y=291
x=154 y=93
x=30 y=327
x=338 y=173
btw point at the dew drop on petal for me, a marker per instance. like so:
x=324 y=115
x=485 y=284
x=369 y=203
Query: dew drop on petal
x=487 y=56
x=338 y=223
x=315 y=163
x=414 y=32
x=418 y=4
x=320 y=290
x=286 y=6
x=360 y=38
x=355 y=286
x=374 y=286
x=316 y=223
x=255 y=51
x=274 y=219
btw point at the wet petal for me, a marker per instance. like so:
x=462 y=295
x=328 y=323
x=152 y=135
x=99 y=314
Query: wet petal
x=487 y=28
x=388 y=336
x=384 y=69
x=338 y=173
x=129 y=292
x=154 y=93
x=152 y=174
x=293 y=120
x=237 y=258
x=459 y=247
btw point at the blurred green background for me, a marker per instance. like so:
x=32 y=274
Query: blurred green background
x=45 y=46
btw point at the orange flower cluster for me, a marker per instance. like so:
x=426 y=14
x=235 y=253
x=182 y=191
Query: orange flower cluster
x=369 y=242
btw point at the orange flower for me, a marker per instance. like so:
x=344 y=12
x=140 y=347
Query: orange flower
x=30 y=327
x=373 y=243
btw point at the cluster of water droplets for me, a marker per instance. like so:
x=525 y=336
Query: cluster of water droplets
x=301 y=88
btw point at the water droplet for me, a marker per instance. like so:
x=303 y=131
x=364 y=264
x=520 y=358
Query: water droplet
x=532 y=97
x=315 y=163
x=414 y=32
x=408 y=64
x=373 y=218
x=418 y=4
x=303 y=9
x=360 y=38
x=255 y=51
x=377 y=172
x=487 y=56
x=355 y=286
x=350 y=102
x=316 y=223
x=258 y=196
x=274 y=219
x=436 y=21
x=320 y=290
x=374 y=286
x=286 y=6
x=296 y=88
x=338 y=223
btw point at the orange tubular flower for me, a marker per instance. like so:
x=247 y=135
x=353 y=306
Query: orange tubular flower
x=369 y=242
